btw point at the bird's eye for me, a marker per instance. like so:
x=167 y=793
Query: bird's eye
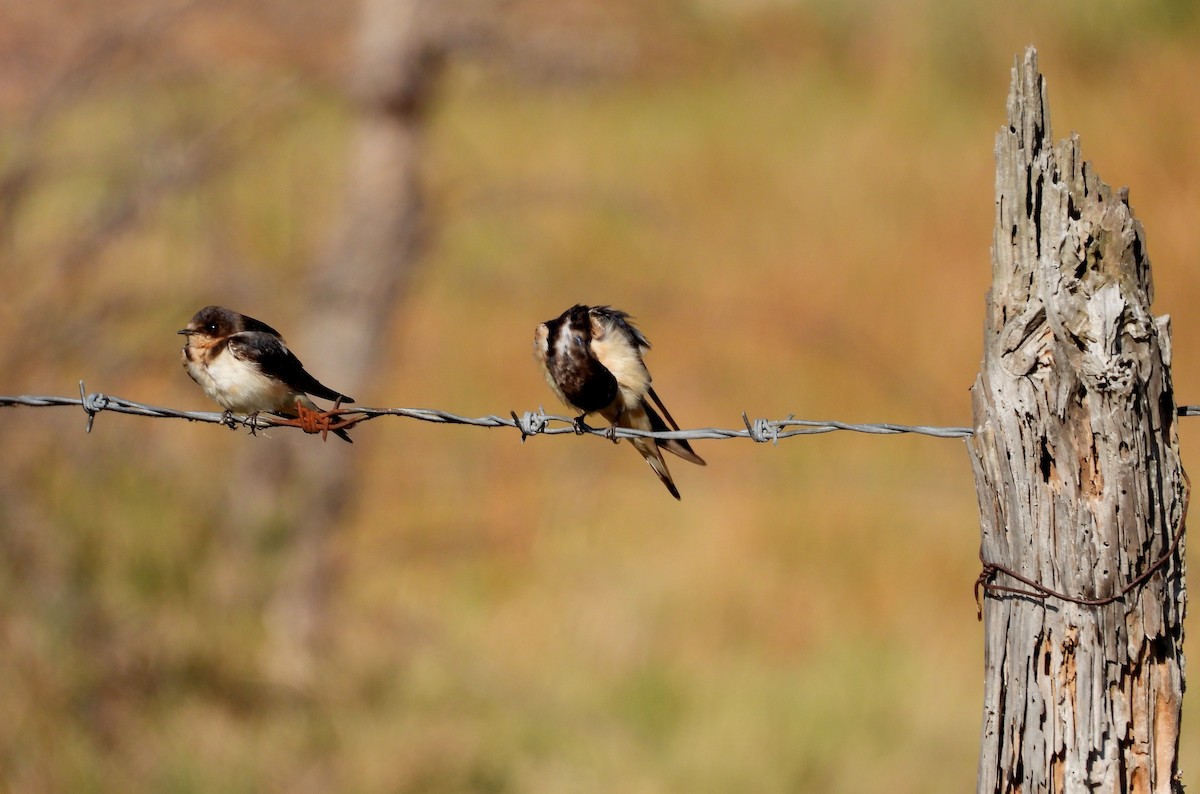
x=579 y=341
x=211 y=328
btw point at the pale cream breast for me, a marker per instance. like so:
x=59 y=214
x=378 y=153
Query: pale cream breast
x=540 y=337
x=239 y=386
x=541 y=346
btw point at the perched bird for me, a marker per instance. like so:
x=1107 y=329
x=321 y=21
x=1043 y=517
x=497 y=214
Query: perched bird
x=245 y=366
x=592 y=359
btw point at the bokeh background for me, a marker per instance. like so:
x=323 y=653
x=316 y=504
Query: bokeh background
x=795 y=201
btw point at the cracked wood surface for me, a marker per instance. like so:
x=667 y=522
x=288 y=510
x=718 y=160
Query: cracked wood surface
x=1077 y=472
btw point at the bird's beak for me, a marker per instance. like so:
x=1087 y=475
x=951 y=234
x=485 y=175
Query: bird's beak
x=185 y=332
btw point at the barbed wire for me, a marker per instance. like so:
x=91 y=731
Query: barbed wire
x=529 y=423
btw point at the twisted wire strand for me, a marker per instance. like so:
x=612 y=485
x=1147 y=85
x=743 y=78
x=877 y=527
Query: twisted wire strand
x=530 y=423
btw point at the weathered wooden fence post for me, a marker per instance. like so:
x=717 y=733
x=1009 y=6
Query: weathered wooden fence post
x=1082 y=497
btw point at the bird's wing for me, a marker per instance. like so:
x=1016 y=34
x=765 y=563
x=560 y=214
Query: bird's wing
x=678 y=446
x=273 y=357
x=618 y=344
x=615 y=318
x=641 y=417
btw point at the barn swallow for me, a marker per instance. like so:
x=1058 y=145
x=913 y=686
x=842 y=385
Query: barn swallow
x=245 y=366
x=592 y=359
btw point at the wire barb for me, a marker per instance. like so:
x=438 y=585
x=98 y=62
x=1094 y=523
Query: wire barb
x=92 y=404
x=762 y=430
x=530 y=423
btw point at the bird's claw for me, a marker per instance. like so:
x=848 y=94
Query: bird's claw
x=611 y=433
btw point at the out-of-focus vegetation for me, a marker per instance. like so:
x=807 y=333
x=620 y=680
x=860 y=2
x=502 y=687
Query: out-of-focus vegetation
x=794 y=199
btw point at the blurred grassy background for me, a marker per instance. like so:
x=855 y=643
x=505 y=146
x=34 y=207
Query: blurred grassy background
x=794 y=200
